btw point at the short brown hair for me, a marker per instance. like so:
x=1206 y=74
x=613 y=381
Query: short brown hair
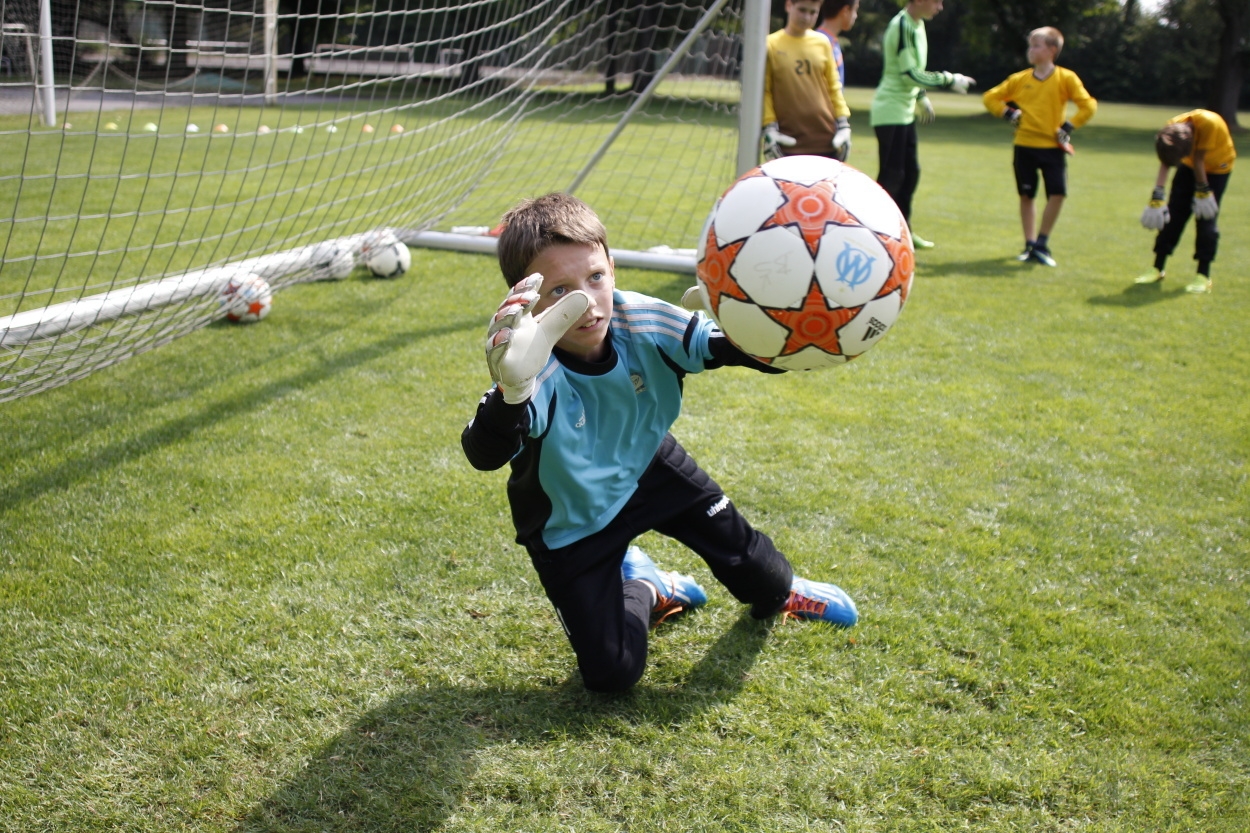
x=1174 y=142
x=831 y=8
x=1050 y=36
x=535 y=224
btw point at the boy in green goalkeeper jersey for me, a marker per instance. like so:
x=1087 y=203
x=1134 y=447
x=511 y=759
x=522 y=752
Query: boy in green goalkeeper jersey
x=904 y=79
x=1035 y=101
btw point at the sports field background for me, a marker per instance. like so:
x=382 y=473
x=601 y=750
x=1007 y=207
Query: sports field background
x=248 y=581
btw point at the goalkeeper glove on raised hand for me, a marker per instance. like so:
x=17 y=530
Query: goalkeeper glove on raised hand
x=1155 y=215
x=961 y=83
x=775 y=140
x=518 y=344
x=1205 y=206
x=842 y=138
x=927 y=114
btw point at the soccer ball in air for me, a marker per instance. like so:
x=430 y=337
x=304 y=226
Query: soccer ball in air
x=805 y=263
x=386 y=256
x=246 y=298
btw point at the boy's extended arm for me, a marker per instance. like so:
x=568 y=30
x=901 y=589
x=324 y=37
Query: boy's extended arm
x=1205 y=206
x=1156 y=215
x=494 y=435
x=724 y=354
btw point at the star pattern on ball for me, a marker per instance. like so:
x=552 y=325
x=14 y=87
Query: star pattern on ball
x=904 y=265
x=715 y=271
x=809 y=208
x=814 y=324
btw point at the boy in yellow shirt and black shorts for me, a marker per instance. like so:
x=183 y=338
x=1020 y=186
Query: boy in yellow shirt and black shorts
x=1035 y=102
x=1201 y=149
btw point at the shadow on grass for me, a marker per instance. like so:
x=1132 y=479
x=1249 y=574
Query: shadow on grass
x=407 y=764
x=992 y=267
x=88 y=466
x=1137 y=295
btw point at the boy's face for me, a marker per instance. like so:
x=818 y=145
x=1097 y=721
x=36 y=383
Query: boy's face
x=1040 y=52
x=847 y=16
x=924 y=9
x=801 y=15
x=567 y=267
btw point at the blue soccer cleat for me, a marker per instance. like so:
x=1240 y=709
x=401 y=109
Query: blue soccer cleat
x=674 y=592
x=818 y=600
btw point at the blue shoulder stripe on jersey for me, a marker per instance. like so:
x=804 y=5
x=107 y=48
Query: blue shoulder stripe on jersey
x=653 y=318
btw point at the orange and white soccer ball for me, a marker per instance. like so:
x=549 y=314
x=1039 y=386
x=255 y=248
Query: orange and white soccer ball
x=246 y=298
x=805 y=263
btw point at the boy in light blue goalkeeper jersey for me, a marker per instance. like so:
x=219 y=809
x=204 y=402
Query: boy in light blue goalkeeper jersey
x=588 y=380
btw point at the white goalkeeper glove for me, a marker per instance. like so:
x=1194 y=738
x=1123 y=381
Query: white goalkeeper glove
x=1205 y=206
x=842 y=138
x=1155 y=215
x=518 y=344
x=927 y=113
x=961 y=83
x=1012 y=115
x=692 y=300
x=775 y=140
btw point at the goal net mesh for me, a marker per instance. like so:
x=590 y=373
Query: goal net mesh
x=176 y=143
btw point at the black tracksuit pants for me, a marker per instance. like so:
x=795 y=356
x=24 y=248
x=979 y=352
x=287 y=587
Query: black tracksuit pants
x=607 y=619
x=1180 y=206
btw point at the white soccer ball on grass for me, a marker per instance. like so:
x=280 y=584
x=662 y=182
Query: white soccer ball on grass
x=386 y=256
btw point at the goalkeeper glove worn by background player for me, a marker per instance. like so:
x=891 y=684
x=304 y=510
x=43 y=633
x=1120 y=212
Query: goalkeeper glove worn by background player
x=927 y=114
x=1155 y=215
x=518 y=344
x=1063 y=136
x=1205 y=206
x=842 y=138
x=961 y=83
x=775 y=140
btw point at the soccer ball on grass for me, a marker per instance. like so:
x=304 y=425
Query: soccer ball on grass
x=386 y=256
x=805 y=263
x=246 y=298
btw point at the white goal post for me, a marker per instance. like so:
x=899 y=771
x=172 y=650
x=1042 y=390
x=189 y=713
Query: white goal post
x=156 y=149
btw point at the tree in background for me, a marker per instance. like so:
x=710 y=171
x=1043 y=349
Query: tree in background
x=1229 y=74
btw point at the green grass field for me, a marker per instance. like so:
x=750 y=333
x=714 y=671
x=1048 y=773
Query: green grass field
x=249 y=583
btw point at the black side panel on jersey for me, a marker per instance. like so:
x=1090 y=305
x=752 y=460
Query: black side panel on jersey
x=531 y=507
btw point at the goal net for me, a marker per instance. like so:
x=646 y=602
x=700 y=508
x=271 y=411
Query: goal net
x=156 y=149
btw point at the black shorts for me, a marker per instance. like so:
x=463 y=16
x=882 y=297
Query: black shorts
x=605 y=618
x=1050 y=161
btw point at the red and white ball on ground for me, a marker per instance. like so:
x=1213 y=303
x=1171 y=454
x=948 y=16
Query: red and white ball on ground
x=805 y=263
x=386 y=256
x=246 y=298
